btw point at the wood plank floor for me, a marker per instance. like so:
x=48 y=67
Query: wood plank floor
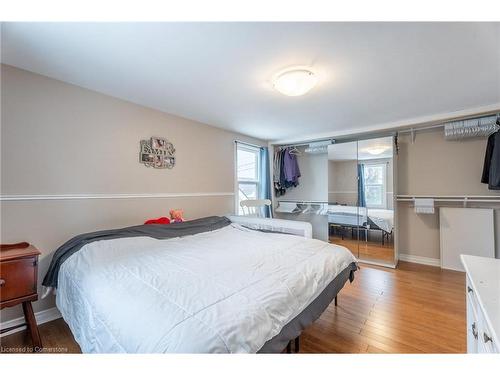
x=412 y=309
x=372 y=251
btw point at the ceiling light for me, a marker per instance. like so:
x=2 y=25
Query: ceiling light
x=294 y=81
x=377 y=150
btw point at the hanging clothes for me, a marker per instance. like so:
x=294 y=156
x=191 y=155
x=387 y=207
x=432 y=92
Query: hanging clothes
x=286 y=171
x=491 y=168
x=278 y=173
x=291 y=169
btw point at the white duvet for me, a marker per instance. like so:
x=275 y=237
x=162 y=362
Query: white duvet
x=225 y=291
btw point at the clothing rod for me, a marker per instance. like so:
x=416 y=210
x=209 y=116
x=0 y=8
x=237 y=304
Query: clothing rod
x=304 y=143
x=299 y=201
x=442 y=124
x=449 y=196
x=421 y=128
x=248 y=144
x=454 y=200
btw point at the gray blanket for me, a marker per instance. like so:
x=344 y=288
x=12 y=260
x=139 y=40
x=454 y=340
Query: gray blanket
x=158 y=231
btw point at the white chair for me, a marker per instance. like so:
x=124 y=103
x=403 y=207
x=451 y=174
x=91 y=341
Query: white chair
x=253 y=207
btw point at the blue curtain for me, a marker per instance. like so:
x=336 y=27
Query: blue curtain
x=265 y=188
x=361 y=186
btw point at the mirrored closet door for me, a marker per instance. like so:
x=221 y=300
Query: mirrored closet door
x=343 y=210
x=360 y=198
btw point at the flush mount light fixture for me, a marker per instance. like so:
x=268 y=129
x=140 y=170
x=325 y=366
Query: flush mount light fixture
x=294 y=81
x=377 y=150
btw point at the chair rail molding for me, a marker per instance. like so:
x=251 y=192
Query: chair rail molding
x=38 y=197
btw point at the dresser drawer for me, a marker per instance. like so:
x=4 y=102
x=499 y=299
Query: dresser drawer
x=471 y=295
x=18 y=278
x=485 y=338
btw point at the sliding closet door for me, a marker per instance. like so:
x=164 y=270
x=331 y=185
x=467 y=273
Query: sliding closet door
x=343 y=211
x=376 y=202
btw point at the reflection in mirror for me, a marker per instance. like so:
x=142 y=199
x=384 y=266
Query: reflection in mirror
x=343 y=215
x=376 y=206
x=360 y=210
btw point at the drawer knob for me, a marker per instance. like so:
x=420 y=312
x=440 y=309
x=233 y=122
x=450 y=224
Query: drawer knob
x=474 y=330
x=487 y=338
x=2 y=282
x=469 y=289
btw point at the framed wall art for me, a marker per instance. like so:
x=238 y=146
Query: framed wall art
x=157 y=152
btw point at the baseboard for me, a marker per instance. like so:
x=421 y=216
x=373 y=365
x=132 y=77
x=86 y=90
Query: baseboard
x=420 y=260
x=41 y=317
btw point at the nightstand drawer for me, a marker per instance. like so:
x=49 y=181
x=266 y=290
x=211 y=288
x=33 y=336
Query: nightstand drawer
x=18 y=278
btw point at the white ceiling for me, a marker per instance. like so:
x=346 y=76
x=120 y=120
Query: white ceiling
x=218 y=73
x=361 y=150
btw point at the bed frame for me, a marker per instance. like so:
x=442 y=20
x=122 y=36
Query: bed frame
x=296 y=341
x=291 y=331
x=385 y=237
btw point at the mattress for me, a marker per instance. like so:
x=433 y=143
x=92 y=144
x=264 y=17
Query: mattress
x=346 y=215
x=352 y=215
x=383 y=219
x=229 y=290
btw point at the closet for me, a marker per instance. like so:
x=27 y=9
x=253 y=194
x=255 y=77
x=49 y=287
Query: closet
x=309 y=199
x=361 y=198
x=345 y=191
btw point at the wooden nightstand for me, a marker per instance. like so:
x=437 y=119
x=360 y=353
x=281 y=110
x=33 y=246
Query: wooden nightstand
x=18 y=283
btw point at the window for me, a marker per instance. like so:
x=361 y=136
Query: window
x=247 y=173
x=375 y=185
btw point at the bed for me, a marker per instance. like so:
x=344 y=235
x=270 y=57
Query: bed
x=229 y=289
x=369 y=218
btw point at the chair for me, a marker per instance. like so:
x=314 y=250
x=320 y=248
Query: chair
x=253 y=207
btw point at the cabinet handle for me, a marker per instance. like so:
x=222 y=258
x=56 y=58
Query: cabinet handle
x=487 y=338
x=2 y=282
x=474 y=330
x=469 y=289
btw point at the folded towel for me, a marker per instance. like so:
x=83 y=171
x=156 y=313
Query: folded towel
x=424 y=205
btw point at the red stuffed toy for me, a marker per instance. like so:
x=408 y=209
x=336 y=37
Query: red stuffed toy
x=160 y=220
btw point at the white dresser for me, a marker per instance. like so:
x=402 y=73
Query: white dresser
x=483 y=303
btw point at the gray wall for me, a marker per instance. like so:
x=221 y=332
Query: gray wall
x=434 y=166
x=58 y=138
x=343 y=181
x=313 y=184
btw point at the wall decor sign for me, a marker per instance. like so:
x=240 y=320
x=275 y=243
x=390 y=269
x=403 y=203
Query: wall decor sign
x=157 y=153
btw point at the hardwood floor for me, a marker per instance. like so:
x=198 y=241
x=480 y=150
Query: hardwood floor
x=412 y=309
x=56 y=338
x=372 y=250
